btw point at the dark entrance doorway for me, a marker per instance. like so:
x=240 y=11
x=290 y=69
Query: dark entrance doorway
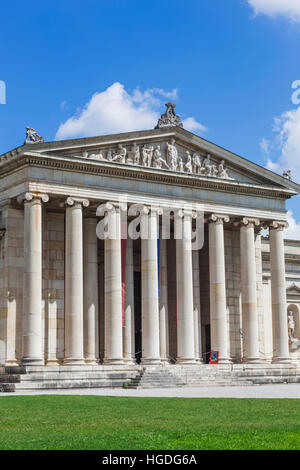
x=207 y=343
x=138 y=316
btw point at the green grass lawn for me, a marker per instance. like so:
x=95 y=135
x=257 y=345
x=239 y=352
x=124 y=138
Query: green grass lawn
x=90 y=422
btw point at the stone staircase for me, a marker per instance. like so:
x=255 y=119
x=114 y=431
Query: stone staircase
x=155 y=378
x=32 y=378
x=237 y=374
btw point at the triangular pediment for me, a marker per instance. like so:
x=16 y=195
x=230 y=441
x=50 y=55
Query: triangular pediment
x=293 y=289
x=167 y=150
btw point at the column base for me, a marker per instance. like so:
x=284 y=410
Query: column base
x=91 y=362
x=251 y=360
x=52 y=362
x=225 y=361
x=129 y=361
x=11 y=363
x=73 y=362
x=281 y=360
x=150 y=361
x=29 y=361
x=186 y=360
x=113 y=360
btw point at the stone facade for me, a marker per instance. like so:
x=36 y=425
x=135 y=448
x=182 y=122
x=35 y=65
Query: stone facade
x=66 y=297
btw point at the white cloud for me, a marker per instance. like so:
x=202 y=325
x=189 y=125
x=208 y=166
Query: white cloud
x=265 y=145
x=293 y=232
x=287 y=141
x=115 y=110
x=191 y=124
x=287 y=144
x=64 y=105
x=273 y=8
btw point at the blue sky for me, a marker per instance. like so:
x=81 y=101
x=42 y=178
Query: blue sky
x=229 y=65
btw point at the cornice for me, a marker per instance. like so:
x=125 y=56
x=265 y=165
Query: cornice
x=152 y=175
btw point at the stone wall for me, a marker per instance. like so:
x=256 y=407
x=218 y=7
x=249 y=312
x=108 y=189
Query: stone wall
x=53 y=286
x=11 y=285
x=233 y=292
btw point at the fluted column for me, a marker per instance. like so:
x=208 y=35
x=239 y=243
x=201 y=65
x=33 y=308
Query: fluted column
x=278 y=292
x=113 y=341
x=128 y=329
x=74 y=281
x=218 y=314
x=163 y=302
x=197 y=308
x=184 y=283
x=150 y=308
x=249 y=290
x=90 y=291
x=32 y=296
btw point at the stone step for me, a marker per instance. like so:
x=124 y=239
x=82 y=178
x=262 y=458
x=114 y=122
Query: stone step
x=6 y=378
x=76 y=376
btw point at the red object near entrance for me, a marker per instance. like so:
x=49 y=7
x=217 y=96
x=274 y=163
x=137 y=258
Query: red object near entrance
x=214 y=357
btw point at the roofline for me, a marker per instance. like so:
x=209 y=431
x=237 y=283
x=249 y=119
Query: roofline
x=170 y=131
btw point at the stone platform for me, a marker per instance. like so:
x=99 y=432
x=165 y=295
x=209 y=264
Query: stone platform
x=34 y=378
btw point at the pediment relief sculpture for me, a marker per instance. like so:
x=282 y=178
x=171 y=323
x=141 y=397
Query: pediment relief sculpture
x=163 y=156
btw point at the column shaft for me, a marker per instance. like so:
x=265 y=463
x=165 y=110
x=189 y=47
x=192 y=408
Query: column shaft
x=163 y=302
x=32 y=298
x=197 y=308
x=113 y=342
x=184 y=282
x=249 y=292
x=74 y=283
x=128 y=329
x=218 y=314
x=150 y=308
x=278 y=292
x=90 y=298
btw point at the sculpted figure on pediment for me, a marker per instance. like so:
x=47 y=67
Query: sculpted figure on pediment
x=109 y=156
x=188 y=164
x=135 y=154
x=97 y=156
x=172 y=155
x=207 y=167
x=222 y=172
x=158 y=160
x=180 y=164
x=120 y=156
x=147 y=155
x=197 y=163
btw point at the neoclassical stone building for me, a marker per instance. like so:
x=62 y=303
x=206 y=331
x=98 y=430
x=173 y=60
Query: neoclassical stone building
x=102 y=311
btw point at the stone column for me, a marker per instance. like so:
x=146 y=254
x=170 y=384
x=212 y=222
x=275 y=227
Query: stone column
x=278 y=292
x=218 y=314
x=163 y=302
x=32 y=298
x=74 y=281
x=197 y=308
x=249 y=290
x=150 y=308
x=51 y=326
x=128 y=329
x=113 y=341
x=184 y=283
x=90 y=291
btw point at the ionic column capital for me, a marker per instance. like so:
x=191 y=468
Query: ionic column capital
x=247 y=222
x=74 y=201
x=33 y=197
x=218 y=219
x=276 y=225
x=152 y=210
